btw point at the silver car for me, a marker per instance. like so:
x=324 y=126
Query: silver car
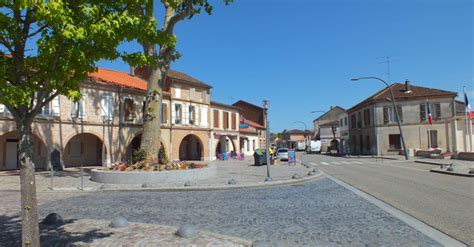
x=282 y=154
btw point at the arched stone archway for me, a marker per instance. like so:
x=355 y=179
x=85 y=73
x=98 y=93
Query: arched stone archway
x=191 y=148
x=225 y=144
x=83 y=149
x=9 y=151
x=135 y=144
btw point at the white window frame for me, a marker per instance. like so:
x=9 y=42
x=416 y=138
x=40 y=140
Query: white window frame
x=106 y=107
x=78 y=111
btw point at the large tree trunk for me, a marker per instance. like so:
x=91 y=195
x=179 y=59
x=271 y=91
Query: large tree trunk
x=151 y=137
x=29 y=208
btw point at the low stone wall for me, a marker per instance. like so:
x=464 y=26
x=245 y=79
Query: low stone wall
x=466 y=156
x=427 y=153
x=153 y=177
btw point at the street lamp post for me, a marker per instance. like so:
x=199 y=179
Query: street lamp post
x=394 y=108
x=267 y=138
x=305 y=137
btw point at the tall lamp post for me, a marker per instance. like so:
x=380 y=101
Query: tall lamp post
x=267 y=138
x=394 y=108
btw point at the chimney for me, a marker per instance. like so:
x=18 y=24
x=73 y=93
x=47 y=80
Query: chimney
x=407 y=86
x=132 y=70
x=330 y=108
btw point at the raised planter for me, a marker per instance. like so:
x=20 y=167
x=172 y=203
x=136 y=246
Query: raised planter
x=152 y=177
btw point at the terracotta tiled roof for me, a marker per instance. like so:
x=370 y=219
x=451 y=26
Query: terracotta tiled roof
x=118 y=78
x=400 y=93
x=142 y=72
x=184 y=77
x=224 y=105
x=298 y=132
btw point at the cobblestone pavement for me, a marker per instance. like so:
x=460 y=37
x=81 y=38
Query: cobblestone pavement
x=244 y=172
x=442 y=201
x=95 y=233
x=318 y=213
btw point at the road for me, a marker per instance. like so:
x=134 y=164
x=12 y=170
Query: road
x=442 y=201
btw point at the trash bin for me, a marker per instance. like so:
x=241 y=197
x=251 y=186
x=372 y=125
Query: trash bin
x=260 y=157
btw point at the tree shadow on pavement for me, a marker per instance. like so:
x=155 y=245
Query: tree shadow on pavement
x=10 y=233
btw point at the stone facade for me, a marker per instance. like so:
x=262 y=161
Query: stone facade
x=106 y=124
x=373 y=127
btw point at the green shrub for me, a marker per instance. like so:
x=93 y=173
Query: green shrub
x=138 y=155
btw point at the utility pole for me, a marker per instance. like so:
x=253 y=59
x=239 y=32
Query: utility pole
x=267 y=139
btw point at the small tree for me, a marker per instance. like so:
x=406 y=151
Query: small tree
x=160 y=59
x=46 y=49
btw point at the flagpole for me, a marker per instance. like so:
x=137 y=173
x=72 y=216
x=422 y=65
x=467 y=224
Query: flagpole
x=428 y=111
x=467 y=121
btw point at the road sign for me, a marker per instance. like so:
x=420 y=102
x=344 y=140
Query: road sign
x=291 y=157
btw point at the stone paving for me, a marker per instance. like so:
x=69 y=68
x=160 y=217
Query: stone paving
x=318 y=213
x=243 y=172
x=95 y=233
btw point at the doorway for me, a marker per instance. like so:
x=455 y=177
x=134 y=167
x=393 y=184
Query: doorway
x=11 y=154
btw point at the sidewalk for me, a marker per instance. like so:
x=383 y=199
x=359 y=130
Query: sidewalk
x=243 y=172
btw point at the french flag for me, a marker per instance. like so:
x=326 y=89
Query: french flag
x=468 y=107
x=430 y=116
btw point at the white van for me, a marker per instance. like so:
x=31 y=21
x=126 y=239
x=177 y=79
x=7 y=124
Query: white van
x=314 y=147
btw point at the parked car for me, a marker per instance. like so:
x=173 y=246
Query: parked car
x=314 y=147
x=282 y=154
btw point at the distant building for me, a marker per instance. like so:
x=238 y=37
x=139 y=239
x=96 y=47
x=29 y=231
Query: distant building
x=292 y=137
x=332 y=125
x=252 y=126
x=373 y=127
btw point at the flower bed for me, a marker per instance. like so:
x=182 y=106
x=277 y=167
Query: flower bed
x=143 y=166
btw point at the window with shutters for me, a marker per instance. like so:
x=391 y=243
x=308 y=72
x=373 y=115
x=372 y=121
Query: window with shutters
x=400 y=113
x=204 y=116
x=192 y=115
x=353 y=121
x=386 y=114
x=359 y=120
x=178 y=114
x=106 y=107
x=129 y=109
x=422 y=112
x=216 y=118
x=234 y=121
x=226 y=120
x=366 y=117
x=437 y=111
x=78 y=111
x=164 y=113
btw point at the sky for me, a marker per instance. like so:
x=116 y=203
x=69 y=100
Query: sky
x=301 y=54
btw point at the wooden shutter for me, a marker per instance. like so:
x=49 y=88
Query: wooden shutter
x=437 y=110
x=386 y=117
x=422 y=112
x=400 y=112
x=226 y=120
x=234 y=124
x=216 y=118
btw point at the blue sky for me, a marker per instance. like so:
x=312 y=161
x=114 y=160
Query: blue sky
x=301 y=54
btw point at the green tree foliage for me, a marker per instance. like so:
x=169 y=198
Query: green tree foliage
x=46 y=49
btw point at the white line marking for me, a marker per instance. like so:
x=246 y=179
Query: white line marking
x=313 y=164
x=357 y=162
x=429 y=231
x=336 y=163
x=345 y=162
x=325 y=163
